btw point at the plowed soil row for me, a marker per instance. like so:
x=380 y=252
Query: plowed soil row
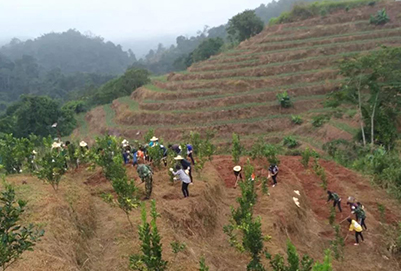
x=259 y=71
x=365 y=35
x=247 y=83
x=145 y=96
x=240 y=98
x=322 y=32
x=222 y=128
x=334 y=48
x=208 y=116
x=340 y=21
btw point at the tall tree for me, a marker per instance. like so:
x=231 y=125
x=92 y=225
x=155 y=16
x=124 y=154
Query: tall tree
x=244 y=25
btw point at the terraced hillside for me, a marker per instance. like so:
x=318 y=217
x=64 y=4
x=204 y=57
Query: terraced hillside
x=236 y=90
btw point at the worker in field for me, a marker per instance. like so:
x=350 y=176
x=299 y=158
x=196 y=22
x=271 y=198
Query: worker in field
x=134 y=157
x=354 y=226
x=154 y=141
x=238 y=175
x=190 y=151
x=141 y=155
x=336 y=200
x=360 y=214
x=273 y=171
x=351 y=203
x=177 y=148
x=145 y=172
x=184 y=177
x=186 y=166
x=164 y=157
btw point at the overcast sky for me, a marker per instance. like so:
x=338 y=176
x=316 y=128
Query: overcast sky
x=116 y=19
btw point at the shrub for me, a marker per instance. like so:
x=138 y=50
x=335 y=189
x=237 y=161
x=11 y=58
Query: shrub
x=326 y=265
x=177 y=247
x=15 y=238
x=284 y=99
x=236 y=150
x=271 y=153
x=296 y=119
x=319 y=120
x=51 y=167
x=290 y=142
x=202 y=265
x=380 y=18
x=306 y=155
x=151 y=247
x=294 y=263
x=332 y=216
x=338 y=244
x=14 y=152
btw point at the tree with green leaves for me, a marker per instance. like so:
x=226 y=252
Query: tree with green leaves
x=202 y=265
x=15 y=239
x=207 y=48
x=294 y=262
x=15 y=152
x=36 y=115
x=151 y=247
x=244 y=25
x=52 y=165
x=373 y=86
x=236 y=149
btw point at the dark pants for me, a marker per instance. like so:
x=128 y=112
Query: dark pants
x=192 y=158
x=362 y=223
x=190 y=174
x=274 y=178
x=357 y=234
x=338 y=203
x=185 y=189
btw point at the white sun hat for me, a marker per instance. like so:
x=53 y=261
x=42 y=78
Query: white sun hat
x=34 y=152
x=179 y=157
x=237 y=168
x=154 y=139
x=56 y=145
x=83 y=144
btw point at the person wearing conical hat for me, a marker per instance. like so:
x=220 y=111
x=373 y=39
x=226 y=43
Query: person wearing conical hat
x=185 y=179
x=186 y=165
x=154 y=141
x=238 y=175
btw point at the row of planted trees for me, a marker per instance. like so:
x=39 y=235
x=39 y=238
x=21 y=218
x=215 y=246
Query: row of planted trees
x=245 y=234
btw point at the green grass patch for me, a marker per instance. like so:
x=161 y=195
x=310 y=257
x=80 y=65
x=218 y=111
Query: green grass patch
x=161 y=78
x=82 y=124
x=322 y=8
x=133 y=105
x=344 y=127
x=110 y=115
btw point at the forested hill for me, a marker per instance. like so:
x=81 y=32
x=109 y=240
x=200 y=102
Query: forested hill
x=71 y=52
x=163 y=60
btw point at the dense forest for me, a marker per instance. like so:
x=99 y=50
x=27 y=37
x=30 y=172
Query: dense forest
x=59 y=65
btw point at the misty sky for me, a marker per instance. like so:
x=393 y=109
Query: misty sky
x=116 y=19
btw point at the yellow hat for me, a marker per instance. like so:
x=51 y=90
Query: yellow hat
x=83 y=144
x=154 y=139
x=179 y=157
